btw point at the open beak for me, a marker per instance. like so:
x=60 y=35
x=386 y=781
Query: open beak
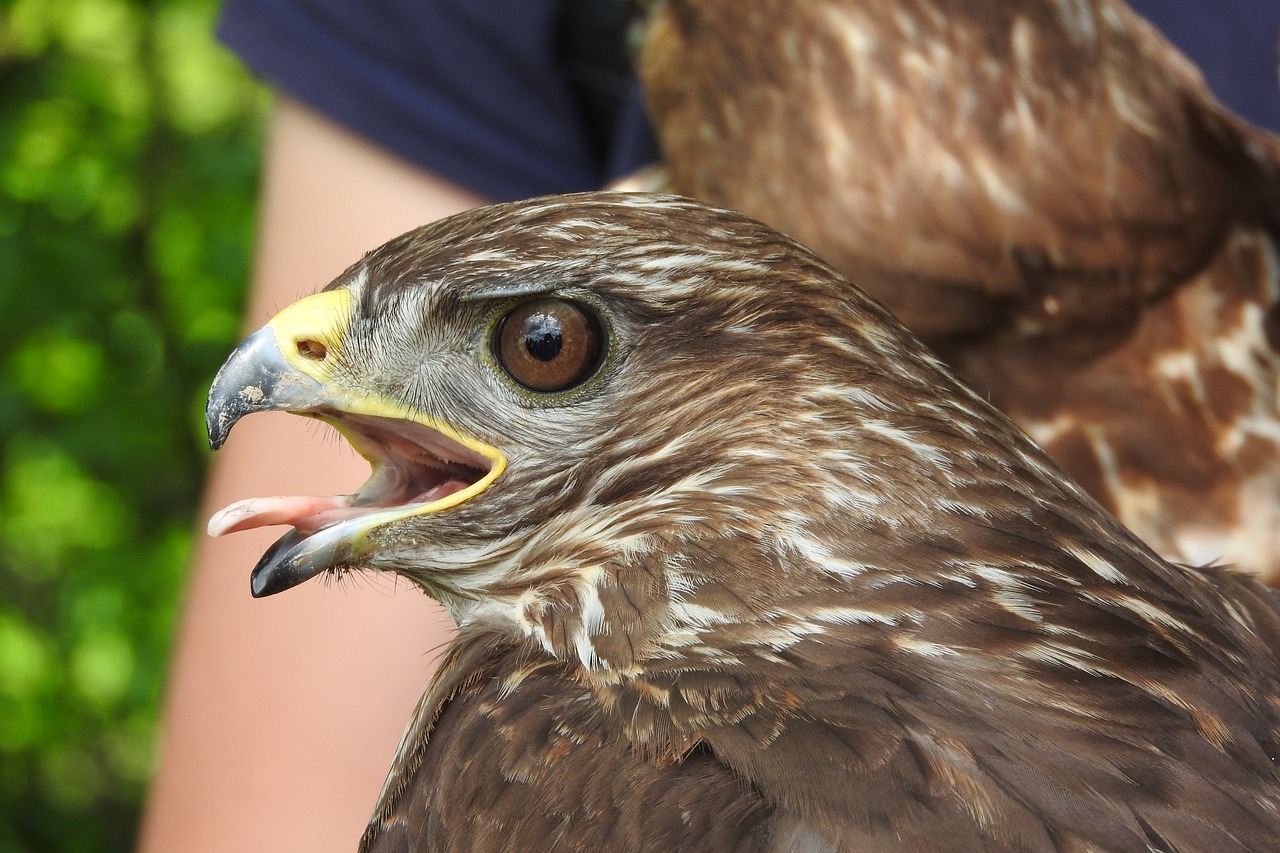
x=420 y=465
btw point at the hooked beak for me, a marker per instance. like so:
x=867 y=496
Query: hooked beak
x=420 y=464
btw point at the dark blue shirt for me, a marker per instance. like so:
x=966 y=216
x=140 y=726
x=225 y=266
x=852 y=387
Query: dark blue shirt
x=501 y=96
x=1236 y=43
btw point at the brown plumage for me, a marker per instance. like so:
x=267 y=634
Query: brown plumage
x=1044 y=191
x=754 y=573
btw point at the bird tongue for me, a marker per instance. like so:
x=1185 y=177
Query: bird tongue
x=308 y=513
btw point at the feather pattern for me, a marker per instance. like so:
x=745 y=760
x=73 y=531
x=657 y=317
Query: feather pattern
x=1047 y=193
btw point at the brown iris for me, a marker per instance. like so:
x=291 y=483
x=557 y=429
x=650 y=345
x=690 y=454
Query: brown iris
x=549 y=345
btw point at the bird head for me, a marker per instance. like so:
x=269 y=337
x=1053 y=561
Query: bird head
x=634 y=411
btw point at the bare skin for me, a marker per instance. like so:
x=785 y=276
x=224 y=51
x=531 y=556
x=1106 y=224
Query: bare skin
x=283 y=714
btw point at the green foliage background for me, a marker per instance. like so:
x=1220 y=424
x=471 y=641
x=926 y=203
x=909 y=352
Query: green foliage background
x=128 y=146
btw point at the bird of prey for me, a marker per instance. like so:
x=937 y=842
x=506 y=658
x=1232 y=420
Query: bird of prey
x=738 y=565
x=1046 y=193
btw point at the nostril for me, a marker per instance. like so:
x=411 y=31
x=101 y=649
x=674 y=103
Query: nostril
x=312 y=349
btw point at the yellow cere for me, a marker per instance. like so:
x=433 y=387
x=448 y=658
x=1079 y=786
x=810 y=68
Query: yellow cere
x=319 y=320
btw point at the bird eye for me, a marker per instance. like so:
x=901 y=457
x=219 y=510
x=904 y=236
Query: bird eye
x=549 y=345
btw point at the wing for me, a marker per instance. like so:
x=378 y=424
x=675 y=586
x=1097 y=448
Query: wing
x=1008 y=153
x=509 y=754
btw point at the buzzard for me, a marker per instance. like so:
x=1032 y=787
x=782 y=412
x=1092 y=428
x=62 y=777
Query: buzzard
x=738 y=565
x=1044 y=191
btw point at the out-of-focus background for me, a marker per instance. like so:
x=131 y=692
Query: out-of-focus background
x=128 y=156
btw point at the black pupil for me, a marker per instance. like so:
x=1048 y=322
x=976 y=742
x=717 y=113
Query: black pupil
x=542 y=337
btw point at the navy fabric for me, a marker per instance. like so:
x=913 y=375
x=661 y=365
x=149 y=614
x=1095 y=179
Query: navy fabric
x=489 y=93
x=479 y=91
x=1236 y=43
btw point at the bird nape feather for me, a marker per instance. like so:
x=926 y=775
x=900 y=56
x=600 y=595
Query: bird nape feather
x=737 y=564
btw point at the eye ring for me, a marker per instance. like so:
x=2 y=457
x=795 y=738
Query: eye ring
x=549 y=345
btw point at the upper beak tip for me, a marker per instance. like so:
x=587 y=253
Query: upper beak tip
x=249 y=381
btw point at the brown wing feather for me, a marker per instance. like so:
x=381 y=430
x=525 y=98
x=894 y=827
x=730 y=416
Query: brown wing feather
x=1008 y=152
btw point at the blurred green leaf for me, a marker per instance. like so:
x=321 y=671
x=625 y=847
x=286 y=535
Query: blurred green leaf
x=49 y=509
x=128 y=158
x=101 y=666
x=24 y=659
x=59 y=371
